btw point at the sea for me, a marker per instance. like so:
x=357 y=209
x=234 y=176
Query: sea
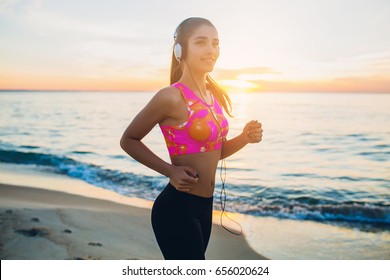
x=324 y=158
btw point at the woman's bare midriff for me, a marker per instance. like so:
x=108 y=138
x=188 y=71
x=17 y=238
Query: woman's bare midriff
x=205 y=165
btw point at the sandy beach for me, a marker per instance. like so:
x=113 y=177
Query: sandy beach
x=49 y=216
x=55 y=218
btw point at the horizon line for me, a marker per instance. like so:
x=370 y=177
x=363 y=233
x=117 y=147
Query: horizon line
x=232 y=91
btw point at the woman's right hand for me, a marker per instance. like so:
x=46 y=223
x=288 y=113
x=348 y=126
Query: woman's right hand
x=183 y=178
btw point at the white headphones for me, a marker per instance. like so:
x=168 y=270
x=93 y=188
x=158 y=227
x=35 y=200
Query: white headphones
x=177 y=51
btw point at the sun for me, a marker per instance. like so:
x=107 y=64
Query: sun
x=238 y=85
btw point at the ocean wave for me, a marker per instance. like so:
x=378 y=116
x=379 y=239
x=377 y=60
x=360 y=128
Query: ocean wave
x=29 y=147
x=82 y=153
x=340 y=178
x=344 y=212
x=125 y=183
x=319 y=205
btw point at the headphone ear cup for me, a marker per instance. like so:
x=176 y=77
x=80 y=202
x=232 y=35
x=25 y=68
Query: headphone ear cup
x=177 y=51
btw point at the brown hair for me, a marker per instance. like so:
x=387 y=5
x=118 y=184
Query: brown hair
x=182 y=33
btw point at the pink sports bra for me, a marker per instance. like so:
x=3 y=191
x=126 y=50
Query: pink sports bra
x=204 y=131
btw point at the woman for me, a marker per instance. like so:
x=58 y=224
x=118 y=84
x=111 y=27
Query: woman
x=191 y=119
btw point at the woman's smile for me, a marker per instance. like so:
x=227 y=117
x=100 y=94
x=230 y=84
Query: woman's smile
x=209 y=60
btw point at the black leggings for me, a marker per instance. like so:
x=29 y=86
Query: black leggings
x=182 y=224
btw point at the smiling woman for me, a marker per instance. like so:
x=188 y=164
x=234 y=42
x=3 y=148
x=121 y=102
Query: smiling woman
x=190 y=115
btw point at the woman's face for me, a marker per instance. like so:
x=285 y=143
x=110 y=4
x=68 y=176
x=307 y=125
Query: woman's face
x=203 y=49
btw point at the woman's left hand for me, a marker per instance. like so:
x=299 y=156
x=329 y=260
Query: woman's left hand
x=253 y=132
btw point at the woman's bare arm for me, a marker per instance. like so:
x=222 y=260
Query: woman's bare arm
x=158 y=109
x=252 y=133
x=155 y=111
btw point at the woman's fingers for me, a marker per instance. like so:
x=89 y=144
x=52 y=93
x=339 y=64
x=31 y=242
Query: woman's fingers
x=190 y=172
x=188 y=182
x=255 y=132
x=186 y=178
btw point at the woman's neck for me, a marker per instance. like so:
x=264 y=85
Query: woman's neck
x=194 y=80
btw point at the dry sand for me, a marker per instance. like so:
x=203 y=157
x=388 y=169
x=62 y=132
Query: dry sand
x=47 y=223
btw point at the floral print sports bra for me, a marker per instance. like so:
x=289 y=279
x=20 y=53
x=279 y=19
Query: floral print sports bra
x=204 y=131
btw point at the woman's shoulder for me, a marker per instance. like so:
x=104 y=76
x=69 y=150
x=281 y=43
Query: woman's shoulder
x=168 y=95
x=169 y=90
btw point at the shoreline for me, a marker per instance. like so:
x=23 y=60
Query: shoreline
x=60 y=201
x=52 y=217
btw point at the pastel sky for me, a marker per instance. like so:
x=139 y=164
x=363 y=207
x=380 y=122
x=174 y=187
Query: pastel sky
x=266 y=45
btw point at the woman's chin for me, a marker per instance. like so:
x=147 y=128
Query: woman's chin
x=207 y=69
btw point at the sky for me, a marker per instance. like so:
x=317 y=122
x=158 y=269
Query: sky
x=266 y=45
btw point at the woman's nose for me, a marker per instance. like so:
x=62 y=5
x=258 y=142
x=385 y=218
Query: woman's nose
x=212 y=49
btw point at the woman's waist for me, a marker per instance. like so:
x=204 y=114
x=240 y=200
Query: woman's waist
x=200 y=195
x=205 y=164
